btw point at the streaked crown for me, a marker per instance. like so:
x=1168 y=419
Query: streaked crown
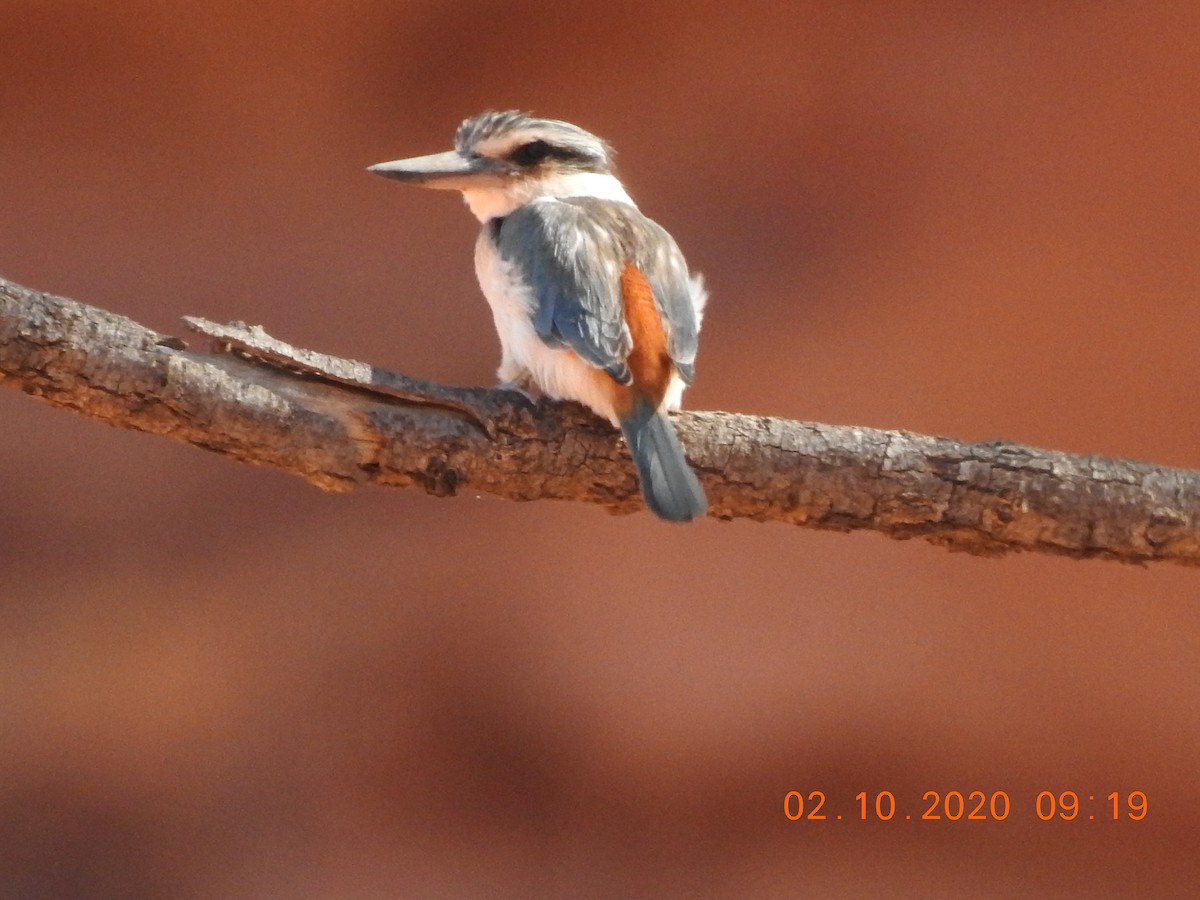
x=533 y=144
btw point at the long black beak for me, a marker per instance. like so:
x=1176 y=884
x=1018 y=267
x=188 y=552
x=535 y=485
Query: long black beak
x=447 y=171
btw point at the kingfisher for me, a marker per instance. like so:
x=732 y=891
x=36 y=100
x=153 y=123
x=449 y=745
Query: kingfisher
x=592 y=300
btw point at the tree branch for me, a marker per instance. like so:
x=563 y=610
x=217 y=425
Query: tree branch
x=339 y=423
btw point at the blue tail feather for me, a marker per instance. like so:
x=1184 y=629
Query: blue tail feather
x=668 y=483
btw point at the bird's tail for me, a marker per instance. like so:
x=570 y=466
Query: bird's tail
x=668 y=483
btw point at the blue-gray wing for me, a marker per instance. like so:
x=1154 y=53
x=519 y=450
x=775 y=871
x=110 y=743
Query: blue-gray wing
x=572 y=253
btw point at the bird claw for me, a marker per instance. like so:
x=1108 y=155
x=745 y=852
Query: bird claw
x=523 y=385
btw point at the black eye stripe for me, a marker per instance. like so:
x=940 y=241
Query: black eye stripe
x=538 y=151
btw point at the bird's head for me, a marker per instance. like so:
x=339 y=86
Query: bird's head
x=503 y=160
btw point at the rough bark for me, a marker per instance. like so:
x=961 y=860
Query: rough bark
x=339 y=423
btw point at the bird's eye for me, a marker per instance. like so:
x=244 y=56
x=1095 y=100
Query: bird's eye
x=531 y=154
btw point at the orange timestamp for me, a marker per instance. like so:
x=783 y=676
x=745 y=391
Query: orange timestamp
x=970 y=806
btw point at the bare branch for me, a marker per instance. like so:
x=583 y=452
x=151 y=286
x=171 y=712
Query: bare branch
x=338 y=423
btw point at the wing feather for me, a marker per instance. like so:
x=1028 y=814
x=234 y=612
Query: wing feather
x=572 y=252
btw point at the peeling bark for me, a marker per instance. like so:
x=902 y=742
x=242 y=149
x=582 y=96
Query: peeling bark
x=339 y=423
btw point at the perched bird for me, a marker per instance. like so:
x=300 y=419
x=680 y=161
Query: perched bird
x=592 y=300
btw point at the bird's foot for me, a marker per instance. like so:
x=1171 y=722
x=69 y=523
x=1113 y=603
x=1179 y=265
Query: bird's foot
x=525 y=386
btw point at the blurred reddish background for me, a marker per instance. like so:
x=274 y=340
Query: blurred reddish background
x=978 y=220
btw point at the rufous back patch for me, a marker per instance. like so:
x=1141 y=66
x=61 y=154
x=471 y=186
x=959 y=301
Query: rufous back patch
x=649 y=362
